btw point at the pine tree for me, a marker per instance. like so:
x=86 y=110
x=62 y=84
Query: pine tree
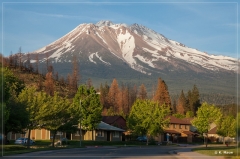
x=162 y=94
x=174 y=107
x=113 y=96
x=133 y=91
x=181 y=105
x=104 y=97
x=142 y=92
x=49 y=84
x=125 y=100
x=189 y=101
x=195 y=99
x=75 y=75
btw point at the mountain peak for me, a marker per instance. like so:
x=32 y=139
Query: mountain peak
x=104 y=23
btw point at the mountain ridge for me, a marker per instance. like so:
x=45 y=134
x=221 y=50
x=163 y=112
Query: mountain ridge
x=134 y=52
x=129 y=39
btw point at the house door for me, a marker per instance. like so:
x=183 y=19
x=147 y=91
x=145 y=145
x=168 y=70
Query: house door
x=108 y=135
x=68 y=136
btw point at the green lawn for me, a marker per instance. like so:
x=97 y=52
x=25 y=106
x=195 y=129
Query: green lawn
x=212 y=150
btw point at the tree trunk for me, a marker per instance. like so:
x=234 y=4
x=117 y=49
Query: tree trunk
x=206 y=138
x=54 y=135
x=92 y=135
x=28 y=142
x=5 y=139
x=147 y=140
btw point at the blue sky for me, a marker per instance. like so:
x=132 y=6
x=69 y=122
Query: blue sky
x=209 y=27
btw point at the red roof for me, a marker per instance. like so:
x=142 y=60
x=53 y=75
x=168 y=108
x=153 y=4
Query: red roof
x=188 y=133
x=171 y=132
x=110 y=119
x=188 y=120
x=175 y=120
x=213 y=130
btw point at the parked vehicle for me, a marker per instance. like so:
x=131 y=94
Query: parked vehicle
x=142 y=138
x=23 y=141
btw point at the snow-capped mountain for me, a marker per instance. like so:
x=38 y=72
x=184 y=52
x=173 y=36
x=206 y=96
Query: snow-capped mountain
x=141 y=48
x=106 y=50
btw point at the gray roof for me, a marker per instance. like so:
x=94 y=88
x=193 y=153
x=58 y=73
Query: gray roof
x=105 y=126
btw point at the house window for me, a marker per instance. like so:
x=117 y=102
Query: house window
x=59 y=133
x=100 y=133
x=180 y=126
x=185 y=126
x=115 y=134
x=174 y=126
x=77 y=133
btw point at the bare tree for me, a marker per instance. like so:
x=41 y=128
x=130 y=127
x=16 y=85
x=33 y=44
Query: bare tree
x=20 y=58
x=75 y=75
x=37 y=64
x=162 y=94
x=89 y=83
x=49 y=84
x=142 y=92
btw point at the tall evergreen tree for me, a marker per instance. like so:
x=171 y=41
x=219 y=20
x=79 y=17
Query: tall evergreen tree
x=113 y=96
x=195 y=99
x=133 y=91
x=125 y=100
x=75 y=74
x=49 y=84
x=182 y=105
x=142 y=92
x=174 y=107
x=189 y=101
x=162 y=94
x=104 y=97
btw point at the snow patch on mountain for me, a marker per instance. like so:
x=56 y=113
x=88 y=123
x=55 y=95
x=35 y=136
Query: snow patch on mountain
x=99 y=57
x=101 y=38
x=91 y=58
x=127 y=44
x=144 y=60
x=119 y=39
x=104 y=23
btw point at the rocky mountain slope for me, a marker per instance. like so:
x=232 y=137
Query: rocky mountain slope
x=137 y=54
